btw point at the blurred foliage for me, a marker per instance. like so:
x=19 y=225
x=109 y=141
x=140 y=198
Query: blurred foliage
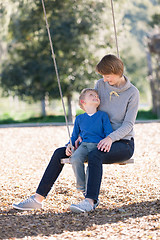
x=137 y=18
x=155 y=20
x=29 y=70
x=82 y=32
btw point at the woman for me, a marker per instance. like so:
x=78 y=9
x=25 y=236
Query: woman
x=119 y=98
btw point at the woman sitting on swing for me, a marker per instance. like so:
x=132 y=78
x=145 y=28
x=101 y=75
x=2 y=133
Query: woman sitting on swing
x=119 y=99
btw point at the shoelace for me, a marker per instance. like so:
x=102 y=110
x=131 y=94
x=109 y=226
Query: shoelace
x=28 y=200
x=83 y=203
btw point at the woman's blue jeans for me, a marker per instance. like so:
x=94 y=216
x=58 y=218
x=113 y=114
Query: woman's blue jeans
x=120 y=151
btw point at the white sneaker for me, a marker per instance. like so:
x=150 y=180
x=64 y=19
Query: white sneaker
x=83 y=206
x=28 y=204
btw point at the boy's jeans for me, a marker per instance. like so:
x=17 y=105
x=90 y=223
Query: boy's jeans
x=77 y=160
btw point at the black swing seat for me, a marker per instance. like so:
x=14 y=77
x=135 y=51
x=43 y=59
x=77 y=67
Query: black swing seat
x=129 y=161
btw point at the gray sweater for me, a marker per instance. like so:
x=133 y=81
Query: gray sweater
x=121 y=105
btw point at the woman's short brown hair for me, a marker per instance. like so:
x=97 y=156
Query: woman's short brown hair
x=110 y=64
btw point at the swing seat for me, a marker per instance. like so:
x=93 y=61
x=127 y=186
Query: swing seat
x=129 y=161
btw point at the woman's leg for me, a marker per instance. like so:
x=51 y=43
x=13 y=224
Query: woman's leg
x=120 y=151
x=50 y=175
x=52 y=172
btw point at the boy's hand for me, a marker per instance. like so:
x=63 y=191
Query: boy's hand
x=79 y=139
x=69 y=150
x=105 y=144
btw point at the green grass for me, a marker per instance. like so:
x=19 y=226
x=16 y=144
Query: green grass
x=146 y=115
x=46 y=119
x=7 y=119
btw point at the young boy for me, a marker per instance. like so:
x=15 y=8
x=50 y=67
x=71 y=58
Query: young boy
x=92 y=127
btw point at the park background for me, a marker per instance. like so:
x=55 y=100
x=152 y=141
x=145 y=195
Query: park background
x=82 y=32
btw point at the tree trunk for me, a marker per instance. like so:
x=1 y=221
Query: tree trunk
x=154 y=94
x=69 y=100
x=43 y=107
x=158 y=85
x=152 y=83
x=154 y=74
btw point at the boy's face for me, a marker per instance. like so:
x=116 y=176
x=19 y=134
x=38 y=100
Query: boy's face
x=92 y=98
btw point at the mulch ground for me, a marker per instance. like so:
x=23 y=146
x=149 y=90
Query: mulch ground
x=129 y=198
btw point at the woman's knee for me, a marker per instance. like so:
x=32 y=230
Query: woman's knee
x=59 y=152
x=94 y=157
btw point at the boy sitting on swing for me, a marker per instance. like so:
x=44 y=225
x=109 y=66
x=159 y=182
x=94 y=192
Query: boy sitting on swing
x=92 y=127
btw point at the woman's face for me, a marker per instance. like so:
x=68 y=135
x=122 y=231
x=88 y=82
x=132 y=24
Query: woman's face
x=112 y=79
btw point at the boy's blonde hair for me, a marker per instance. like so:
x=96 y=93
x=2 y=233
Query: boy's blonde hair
x=110 y=64
x=83 y=94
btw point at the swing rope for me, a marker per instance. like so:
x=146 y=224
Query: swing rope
x=63 y=161
x=56 y=70
x=55 y=64
x=114 y=25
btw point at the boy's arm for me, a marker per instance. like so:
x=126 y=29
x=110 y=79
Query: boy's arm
x=69 y=150
x=107 y=125
x=106 y=143
x=76 y=131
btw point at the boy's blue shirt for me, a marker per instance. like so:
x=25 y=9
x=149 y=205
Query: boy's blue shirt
x=91 y=128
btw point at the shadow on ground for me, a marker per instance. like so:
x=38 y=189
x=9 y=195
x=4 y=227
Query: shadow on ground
x=16 y=224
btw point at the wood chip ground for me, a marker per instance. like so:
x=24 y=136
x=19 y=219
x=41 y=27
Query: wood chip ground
x=129 y=198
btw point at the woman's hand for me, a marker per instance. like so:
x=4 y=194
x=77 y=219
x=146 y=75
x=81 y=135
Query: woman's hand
x=105 y=144
x=79 y=139
x=69 y=150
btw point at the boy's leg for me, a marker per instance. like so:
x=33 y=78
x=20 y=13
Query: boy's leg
x=91 y=146
x=77 y=160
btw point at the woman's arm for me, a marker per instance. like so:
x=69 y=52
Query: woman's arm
x=126 y=126
x=129 y=119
